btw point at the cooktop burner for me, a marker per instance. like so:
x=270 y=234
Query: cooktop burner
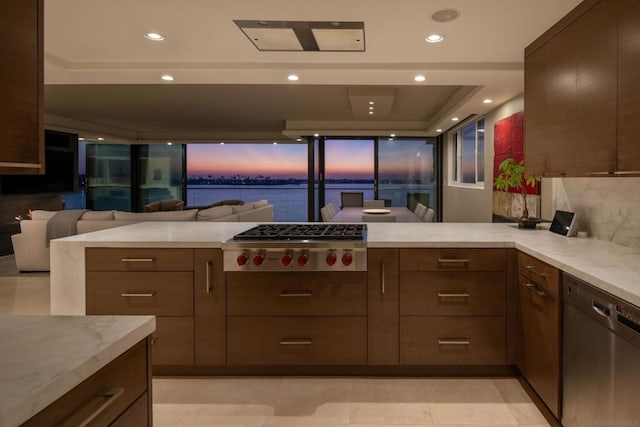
x=268 y=232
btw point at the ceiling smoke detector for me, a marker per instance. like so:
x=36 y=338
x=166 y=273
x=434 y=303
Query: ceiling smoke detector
x=445 y=15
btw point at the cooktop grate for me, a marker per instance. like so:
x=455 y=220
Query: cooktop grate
x=268 y=232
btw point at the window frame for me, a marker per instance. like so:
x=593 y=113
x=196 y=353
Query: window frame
x=455 y=143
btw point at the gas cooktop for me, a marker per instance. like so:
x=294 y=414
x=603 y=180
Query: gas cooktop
x=324 y=232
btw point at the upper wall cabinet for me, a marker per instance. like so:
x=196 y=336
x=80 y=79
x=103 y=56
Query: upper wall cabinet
x=21 y=87
x=629 y=87
x=574 y=93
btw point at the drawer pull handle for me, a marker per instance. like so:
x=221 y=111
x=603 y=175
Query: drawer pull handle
x=459 y=295
x=147 y=295
x=532 y=269
x=458 y=263
x=453 y=342
x=80 y=417
x=208 y=285
x=296 y=341
x=296 y=294
x=137 y=259
x=537 y=289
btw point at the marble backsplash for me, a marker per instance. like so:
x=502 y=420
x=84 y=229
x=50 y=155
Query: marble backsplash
x=607 y=208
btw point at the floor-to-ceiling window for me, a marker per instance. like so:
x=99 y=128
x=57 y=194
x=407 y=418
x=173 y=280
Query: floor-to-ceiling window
x=408 y=171
x=348 y=167
x=160 y=172
x=250 y=172
x=109 y=177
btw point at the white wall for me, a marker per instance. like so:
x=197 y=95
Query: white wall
x=462 y=204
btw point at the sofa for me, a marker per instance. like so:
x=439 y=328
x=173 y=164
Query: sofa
x=31 y=246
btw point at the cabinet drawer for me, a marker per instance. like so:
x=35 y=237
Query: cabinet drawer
x=540 y=273
x=452 y=293
x=458 y=259
x=438 y=340
x=297 y=340
x=137 y=415
x=139 y=259
x=161 y=294
x=172 y=342
x=125 y=378
x=297 y=294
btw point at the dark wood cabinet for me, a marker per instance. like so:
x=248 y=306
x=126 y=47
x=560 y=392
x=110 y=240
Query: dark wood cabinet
x=628 y=87
x=209 y=294
x=21 y=87
x=119 y=394
x=452 y=306
x=540 y=305
x=573 y=99
x=382 y=316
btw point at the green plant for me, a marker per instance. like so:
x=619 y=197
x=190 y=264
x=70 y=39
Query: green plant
x=513 y=175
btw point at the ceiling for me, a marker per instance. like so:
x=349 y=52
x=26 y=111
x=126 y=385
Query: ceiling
x=102 y=77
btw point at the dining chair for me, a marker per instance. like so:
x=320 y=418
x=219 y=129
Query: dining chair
x=325 y=213
x=428 y=215
x=332 y=209
x=351 y=199
x=378 y=218
x=420 y=210
x=373 y=204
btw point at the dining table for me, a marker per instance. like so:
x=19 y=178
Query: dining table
x=351 y=214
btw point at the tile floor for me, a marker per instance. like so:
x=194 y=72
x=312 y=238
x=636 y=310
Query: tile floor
x=274 y=401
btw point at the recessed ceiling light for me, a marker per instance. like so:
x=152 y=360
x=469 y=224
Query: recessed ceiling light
x=434 y=38
x=454 y=119
x=316 y=135
x=222 y=143
x=392 y=135
x=293 y=77
x=445 y=15
x=419 y=78
x=167 y=78
x=275 y=143
x=438 y=130
x=487 y=101
x=371 y=108
x=370 y=112
x=154 y=36
x=169 y=143
x=371 y=102
x=101 y=139
x=80 y=139
x=299 y=139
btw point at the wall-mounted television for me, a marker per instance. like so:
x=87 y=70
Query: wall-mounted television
x=61 y=168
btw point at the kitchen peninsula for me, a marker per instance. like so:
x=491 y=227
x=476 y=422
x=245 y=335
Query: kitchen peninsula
x=613 y=268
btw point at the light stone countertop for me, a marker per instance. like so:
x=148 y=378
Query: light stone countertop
x=613 y=268
x=44 y=357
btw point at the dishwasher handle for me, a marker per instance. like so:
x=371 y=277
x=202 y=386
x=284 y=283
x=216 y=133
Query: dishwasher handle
x=600 y=309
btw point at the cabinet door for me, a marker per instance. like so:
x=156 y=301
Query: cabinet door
x=594 y=150
x=628 y=86
x=21 y=87
x=571 y=98
x=540 y=361
x=383 y=320
x=209 y=299
x=549 y=99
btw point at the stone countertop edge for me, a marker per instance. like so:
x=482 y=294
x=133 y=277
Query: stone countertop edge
x=44 y=357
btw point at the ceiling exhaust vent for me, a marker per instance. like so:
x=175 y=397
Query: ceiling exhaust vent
x=291 y=36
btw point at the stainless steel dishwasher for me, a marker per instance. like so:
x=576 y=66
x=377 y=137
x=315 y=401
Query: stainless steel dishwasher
x=601 y=358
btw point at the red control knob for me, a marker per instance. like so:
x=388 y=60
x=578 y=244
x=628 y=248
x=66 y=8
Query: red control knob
x=242 y=259
x=347 y=259
x=331 y=259
x=286 y=259
x=303 y=259
x=258 y=260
